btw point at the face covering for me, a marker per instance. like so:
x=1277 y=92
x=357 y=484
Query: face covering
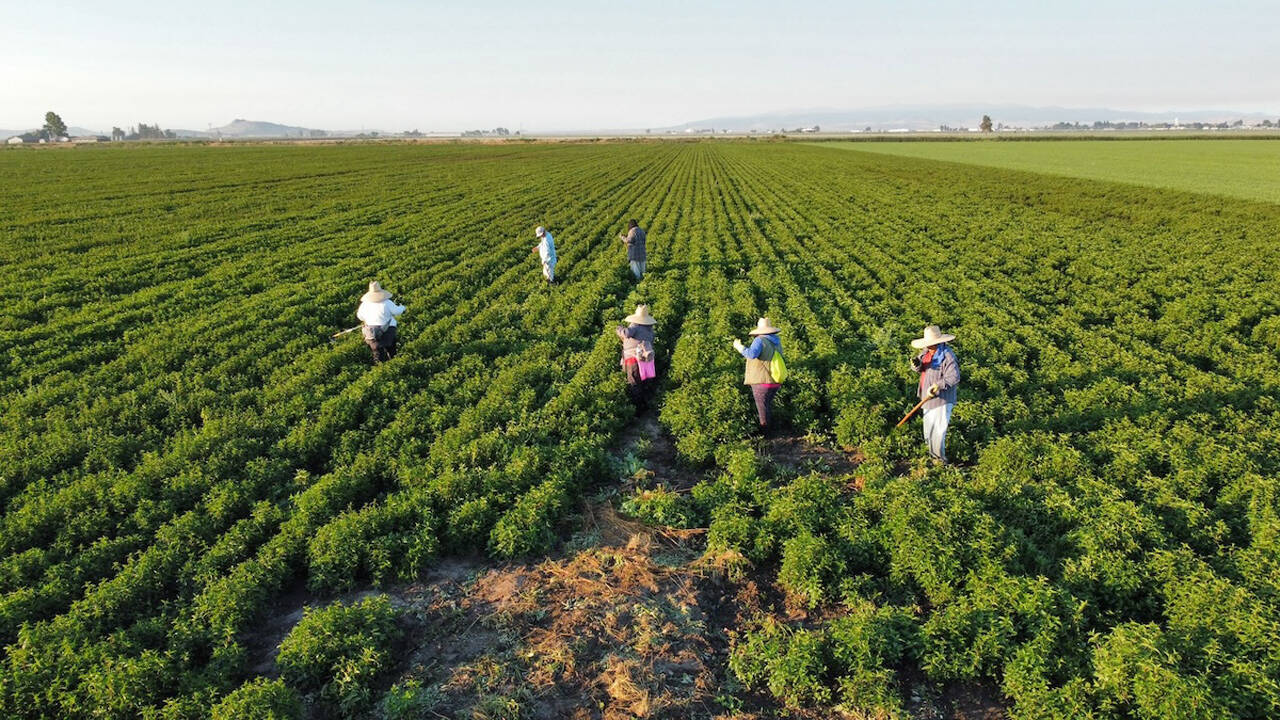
x=931 y=358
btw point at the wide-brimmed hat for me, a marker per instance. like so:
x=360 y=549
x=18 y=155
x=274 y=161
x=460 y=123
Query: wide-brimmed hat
x=764 y=327
x=933 y=335
x=540 y=231
x=641 y=316
x=375 y=294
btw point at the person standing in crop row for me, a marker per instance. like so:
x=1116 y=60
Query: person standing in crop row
x=759 y=372
x=546 y=249
x=637 y=356
x=634 y=239
x=377 y=314
x=939 y=377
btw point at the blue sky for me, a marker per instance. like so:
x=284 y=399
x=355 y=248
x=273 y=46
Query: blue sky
x=555 y=65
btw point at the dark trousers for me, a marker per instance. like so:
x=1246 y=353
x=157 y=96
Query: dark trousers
x=764 y=402
x=640 y=391
x=383 y=346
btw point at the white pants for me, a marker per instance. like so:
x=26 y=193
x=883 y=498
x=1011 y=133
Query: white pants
x=935 y=430
x=637 y=268
x=549 y=270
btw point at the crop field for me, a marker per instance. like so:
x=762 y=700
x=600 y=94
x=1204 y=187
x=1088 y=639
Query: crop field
x=186 y=458
x=1248 y=169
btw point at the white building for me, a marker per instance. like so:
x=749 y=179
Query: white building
x=15 y=140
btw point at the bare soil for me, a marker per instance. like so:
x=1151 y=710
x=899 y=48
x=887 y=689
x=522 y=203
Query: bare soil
x=624 y=621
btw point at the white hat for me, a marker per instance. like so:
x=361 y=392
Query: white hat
x=764 y=327
x=375 y=294
x=641 y=316
x=933 y=335
x=540 y=231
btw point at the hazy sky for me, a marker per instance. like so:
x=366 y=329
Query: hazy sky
x=552 y=64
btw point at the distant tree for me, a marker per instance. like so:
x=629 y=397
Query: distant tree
x=117 y=133
x=53 y=126
x=986 y=123
x=149 y=132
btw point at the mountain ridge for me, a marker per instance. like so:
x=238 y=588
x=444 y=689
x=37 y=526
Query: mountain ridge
x=929 y=117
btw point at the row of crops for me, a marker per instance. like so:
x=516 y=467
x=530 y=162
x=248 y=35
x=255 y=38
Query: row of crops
x=182 y=447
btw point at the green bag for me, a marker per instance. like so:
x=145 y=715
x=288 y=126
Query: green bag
x=778 y=366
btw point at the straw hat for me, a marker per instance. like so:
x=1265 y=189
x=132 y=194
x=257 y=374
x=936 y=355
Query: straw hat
x=932 y=336
x=375 y=294
x=641 y=316
x=764 y=327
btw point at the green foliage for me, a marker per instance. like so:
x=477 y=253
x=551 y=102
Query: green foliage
x=528 y=527
x=341 y=650
x=382 y=543
x=409 y=700
x=53 y=127
x=181 y=445
x=854 y=655
x=791 y=664
x=865 y=645
x=659 y=506
x=810 y=567
x=1240 y=168
x=259 y=699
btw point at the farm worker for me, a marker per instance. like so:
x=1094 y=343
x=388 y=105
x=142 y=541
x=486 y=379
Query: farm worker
x=759 y=375
x=633 y=239
x=637 y=355
x=546 y=249
x=939 y=375
x=378 y=315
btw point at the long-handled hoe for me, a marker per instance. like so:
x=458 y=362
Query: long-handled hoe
x=914 y=410
x=334 y=337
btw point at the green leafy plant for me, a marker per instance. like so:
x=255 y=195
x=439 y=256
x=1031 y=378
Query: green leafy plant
x=341 y=650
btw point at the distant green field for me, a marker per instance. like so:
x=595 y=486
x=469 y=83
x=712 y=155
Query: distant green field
x=1248 y=169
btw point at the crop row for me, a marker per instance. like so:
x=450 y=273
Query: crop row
x=182 y=446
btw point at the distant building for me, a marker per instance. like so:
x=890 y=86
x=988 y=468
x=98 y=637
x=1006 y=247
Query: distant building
x=15 y=140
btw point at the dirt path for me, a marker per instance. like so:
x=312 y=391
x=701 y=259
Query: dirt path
x=625 y=620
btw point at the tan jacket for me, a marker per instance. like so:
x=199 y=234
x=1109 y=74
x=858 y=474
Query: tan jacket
x=758 y=369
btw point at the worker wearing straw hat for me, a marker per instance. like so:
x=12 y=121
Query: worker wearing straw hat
x=637 y=355
x=378 y=314
x=939 y=376
x=758 y=374
x=546 y=249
